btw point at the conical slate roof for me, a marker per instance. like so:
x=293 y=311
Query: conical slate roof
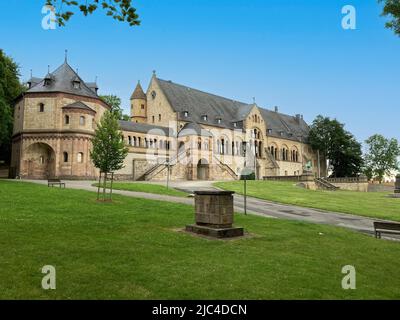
x=62 y=81
x=138 y=93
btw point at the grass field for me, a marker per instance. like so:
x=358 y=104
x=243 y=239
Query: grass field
x=369 y=204
x=147 y=187
x=131 y=249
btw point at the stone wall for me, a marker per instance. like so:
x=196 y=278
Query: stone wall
x=351 y=184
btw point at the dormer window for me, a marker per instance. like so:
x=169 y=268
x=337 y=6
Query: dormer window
x=219 y=120
x=47 y=79
x=235 y=124
x=204 y=117
x=185 y=114
x=269 y=131
x=76 y=83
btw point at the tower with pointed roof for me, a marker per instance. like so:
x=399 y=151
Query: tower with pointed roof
x=138 y=105
x=54 y=123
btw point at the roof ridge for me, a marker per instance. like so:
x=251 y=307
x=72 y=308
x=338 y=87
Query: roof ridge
x=201 y=91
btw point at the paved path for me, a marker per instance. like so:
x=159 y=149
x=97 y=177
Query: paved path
x=254 y=206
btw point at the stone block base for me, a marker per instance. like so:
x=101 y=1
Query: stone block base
x=395 y=195
x=219 y=233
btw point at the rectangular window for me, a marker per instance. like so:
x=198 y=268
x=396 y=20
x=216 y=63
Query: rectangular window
x=159 y=117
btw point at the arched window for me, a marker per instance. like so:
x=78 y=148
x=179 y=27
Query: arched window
x=79 y=157
x=139 y=142
x=67 y=119
x=134 y=141
x=41 y=160
x=65 y=155
x=82 y=120
x=129 y=140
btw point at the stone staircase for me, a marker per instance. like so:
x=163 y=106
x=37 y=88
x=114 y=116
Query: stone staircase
x=322 y=183
x=157 y=168
x=227 y=168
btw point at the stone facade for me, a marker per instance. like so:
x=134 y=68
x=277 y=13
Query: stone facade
x=53 y=131
x=198 y=136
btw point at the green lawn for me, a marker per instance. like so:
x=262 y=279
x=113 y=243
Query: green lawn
x=131 y=249
x=146 y=187
x=369 y=204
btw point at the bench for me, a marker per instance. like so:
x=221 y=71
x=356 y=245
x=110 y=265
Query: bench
x=386 y=227
x=53 y=182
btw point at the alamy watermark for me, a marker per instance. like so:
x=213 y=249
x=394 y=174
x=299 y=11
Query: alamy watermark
x=349 y=21
x=49 y=19
x=49 y=280
x=349 y=280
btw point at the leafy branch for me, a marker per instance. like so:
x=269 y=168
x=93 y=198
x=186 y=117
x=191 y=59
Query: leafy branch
x=120 y=10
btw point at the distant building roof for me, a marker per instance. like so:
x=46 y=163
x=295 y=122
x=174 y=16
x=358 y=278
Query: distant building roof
x=61 y=80
x=145 y=128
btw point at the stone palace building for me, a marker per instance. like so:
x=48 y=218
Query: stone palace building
x=176 y=130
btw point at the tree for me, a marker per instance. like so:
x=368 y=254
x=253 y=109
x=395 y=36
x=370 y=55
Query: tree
x=382 y=156
x=115 y=103
x=10 y=88
x=108 y=151
x=337 y=145
x=391 y=8
x=121 y=10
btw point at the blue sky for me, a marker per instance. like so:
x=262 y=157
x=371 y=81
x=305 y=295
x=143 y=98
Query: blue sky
x=293 y=54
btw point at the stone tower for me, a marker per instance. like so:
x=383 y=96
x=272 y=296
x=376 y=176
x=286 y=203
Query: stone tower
x=139 y=105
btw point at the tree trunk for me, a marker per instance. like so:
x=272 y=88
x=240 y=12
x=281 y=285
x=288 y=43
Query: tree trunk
x=104 y=186
x=98 y=187
x=111 y=184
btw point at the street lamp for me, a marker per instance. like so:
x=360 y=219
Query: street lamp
x=244 y=171
x=167 y=173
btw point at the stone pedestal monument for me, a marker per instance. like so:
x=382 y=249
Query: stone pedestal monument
x=214 y=215
x=397 y=185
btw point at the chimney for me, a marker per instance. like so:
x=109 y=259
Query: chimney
x=299 y=117
x=276 y=109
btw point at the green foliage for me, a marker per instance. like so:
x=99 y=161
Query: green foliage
x=115 y=103
x=10 y=88
x=382 y=156
x=338 y=145
x=392 y=9
x=109 y=150
x=120 y=10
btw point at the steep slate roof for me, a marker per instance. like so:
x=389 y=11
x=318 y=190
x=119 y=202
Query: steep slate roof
x=285 y=126
x=78 y=105
x=198 y=103
x=34 y=81
x=138 y=93
x=61 y=81
x=193 y=128
x=144 y=128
